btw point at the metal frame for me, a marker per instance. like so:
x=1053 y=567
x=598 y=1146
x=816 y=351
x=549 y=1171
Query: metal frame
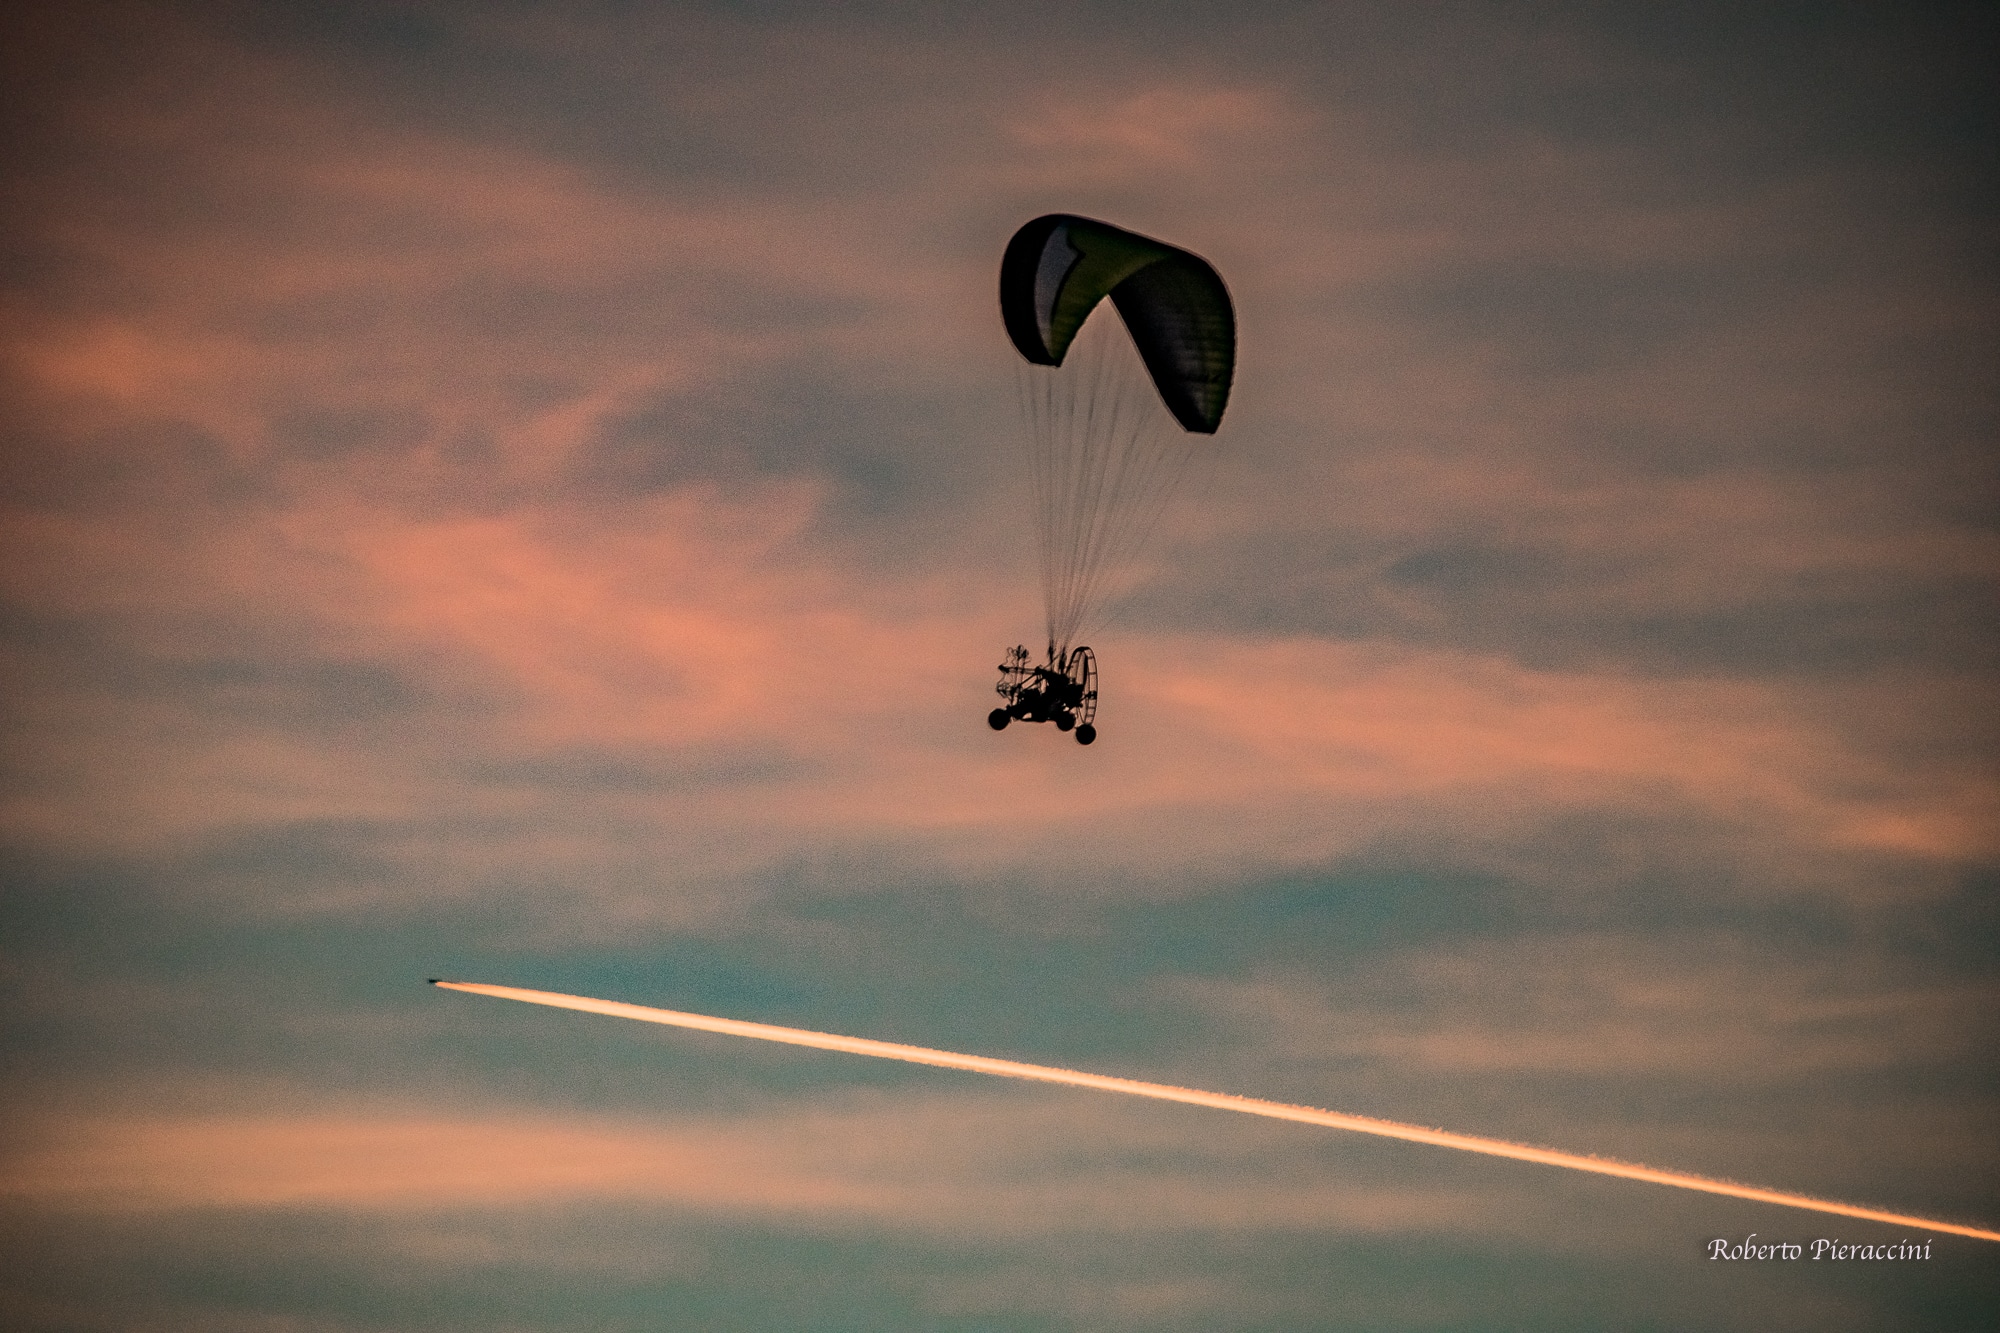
x=1062 y=690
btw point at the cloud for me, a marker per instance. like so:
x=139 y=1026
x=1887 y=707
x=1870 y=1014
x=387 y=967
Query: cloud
x=1697 y=1049
x=440 y=496
x=948 y=1165
x=536 y=487
x=683 y=657
x=1660 y=1006
x=1126 y=136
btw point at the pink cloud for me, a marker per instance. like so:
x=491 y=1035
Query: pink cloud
x=531 y=621
x=1173 y=127
x=997 y=1165
x=694 y=622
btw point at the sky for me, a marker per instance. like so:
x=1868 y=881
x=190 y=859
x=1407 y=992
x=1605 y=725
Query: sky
x=535 y=494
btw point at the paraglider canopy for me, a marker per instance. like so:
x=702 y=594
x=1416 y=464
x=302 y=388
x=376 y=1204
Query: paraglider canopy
x=1058 y=267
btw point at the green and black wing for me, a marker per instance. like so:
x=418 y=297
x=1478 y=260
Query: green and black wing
x=1057 y=268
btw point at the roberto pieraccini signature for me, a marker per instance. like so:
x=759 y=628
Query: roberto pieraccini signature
x=1749 y=1248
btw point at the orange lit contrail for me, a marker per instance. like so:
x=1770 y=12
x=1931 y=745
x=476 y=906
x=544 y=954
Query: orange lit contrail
x=1222 y=1101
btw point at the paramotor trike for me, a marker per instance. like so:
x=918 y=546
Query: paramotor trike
x=1062 y=690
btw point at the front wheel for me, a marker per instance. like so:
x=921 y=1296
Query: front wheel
x=998 y=719
x=1064 y=721
x=1085 y=734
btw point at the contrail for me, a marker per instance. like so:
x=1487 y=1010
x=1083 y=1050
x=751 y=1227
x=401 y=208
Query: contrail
x=1221 y=1101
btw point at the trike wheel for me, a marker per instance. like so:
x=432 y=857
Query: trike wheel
x=1082 y=672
